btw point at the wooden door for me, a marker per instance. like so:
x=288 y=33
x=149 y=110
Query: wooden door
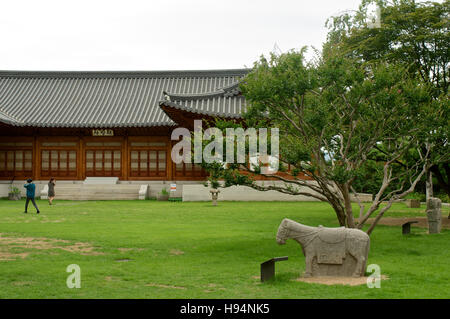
x=16 y=158
x=103 y=158
x=103 y=162
x=58 y=157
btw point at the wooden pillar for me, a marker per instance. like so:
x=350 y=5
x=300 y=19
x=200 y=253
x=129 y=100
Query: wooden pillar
x=37 y=160
x=169 y=164
x=81 y=159
x=125 y=160
x=34 y=159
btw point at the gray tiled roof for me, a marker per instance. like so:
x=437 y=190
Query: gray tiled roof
x=114 y=99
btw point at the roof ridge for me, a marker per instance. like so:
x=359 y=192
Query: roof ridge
x=122 y=74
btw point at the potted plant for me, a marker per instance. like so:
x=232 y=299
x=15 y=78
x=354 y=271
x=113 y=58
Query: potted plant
x=14 y=193
x=163 y=195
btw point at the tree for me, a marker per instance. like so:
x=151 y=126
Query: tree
x=332 y=115
x=415 y=35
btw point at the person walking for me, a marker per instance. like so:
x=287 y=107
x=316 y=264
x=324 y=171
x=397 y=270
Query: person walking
x=31 y=189
x=51 y=190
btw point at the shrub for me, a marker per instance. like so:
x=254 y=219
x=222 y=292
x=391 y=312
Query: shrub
x=419 y=196
x=14 y=190
x=443 y=197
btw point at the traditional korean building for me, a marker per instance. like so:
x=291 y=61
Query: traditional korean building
x=73 y=125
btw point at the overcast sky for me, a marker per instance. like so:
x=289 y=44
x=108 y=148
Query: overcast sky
x=156 y=35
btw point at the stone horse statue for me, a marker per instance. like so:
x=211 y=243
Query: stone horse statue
x=328 y=251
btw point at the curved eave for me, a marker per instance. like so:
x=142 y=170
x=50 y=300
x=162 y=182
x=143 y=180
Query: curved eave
x=174 y=105
x=6 y=119
x=227 y=91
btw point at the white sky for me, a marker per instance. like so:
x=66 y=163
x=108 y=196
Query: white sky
x=156 y=35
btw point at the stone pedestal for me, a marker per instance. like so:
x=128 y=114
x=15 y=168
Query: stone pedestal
x=434 y=215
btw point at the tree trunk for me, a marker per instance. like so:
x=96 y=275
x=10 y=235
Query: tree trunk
x=340 y=213
x=348 y=206
x=429 y=185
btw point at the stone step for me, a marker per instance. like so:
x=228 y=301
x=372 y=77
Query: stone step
x=72 y=186
x=101 y=180
x=99 y=192
x=97 y=198
x=101 y=189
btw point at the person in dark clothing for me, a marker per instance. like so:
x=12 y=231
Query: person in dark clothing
x=31 y=189
x=51 y=190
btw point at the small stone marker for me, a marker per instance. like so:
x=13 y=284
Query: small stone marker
x=434 y=215
x=412 y=203
x=406 y=227
x=268 y=267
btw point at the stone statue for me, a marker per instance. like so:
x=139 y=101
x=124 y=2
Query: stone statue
x=434 y=215
x=328 y=251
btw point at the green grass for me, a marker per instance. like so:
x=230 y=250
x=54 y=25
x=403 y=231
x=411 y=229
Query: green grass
x=194 y=250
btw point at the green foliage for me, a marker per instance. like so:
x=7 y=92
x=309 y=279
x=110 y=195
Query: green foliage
x=419 y=196
x=369 y=178
x=164 y=192
x=443 y=197
x=415 y=35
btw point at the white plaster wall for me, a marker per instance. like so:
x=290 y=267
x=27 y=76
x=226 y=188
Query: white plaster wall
x=244 y=193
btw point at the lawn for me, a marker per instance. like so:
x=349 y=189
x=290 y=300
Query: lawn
x=149 y=249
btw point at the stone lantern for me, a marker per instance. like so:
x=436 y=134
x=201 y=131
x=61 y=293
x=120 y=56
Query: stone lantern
x=214 y=195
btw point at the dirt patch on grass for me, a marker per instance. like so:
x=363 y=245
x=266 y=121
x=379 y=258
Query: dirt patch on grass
x=110 y=278
x=346 y=281
x=176 y=252
x=22 y=283
x=164 y=286
x=399 y=221
x=125 y=250
x=7 y=256
x=213 y=288
x=10 y=245
x=25 y=219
